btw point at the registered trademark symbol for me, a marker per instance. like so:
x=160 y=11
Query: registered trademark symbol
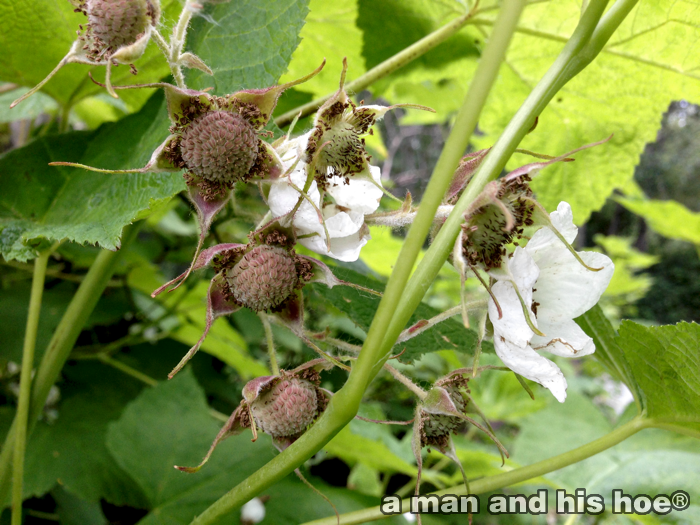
x=680 y=500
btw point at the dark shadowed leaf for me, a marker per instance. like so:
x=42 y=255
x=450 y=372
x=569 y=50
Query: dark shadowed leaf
x=361 y=306
x=71 y=451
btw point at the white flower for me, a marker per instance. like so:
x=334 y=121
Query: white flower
x=344 y=220
x=556 y=288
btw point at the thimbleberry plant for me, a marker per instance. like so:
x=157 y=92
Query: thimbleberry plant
x=326 y=221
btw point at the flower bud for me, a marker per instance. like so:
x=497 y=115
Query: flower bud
x=264 y=278
x=220 y=146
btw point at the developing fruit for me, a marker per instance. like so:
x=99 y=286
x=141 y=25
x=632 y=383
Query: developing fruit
x=117 y=23
x=219 y=146
x=287 y=408
x=264 y=278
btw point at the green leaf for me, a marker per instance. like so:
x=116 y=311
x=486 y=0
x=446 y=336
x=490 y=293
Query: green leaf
x=330 y=32
x=668 y=218
x=72 y=450
x=75 y=511
x=248 y=46
x=57 y=203
x=361 y=306
x=646 y=65
x=665 y=361
x=37 y=35
x=651 y=462
x=607 y=351
x=171 y=424
x=33 y=107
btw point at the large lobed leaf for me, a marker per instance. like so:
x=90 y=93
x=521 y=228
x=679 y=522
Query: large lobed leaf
x=71 y=451
x=650 y=61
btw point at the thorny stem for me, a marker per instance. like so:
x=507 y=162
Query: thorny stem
x=270 y=344
x=177 y=42
x=492 y=483
x=61 y=344
x=25 y=382
x=418 y=391
x=345 y=403
x=165 y=49
x=387 y=67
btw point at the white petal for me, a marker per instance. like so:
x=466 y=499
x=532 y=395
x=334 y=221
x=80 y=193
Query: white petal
x=342 y=248
x=360 y=194
x=283 y=197
x=565 y=339
x=340 y=223
x=528 y=363
x=544 y=238
x=512 y=325
x=565 y=289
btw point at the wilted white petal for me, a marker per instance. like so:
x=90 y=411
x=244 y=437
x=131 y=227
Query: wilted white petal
x=359 y=194
x=567 y=339
x=528 y=363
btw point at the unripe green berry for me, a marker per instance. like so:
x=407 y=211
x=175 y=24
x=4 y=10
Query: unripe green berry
x=287 y=408
x=438 y=425
x=118 y=23
x=264 y=278
x=220 y=147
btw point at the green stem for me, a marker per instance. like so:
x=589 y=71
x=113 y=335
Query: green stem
x=375 y=350
x=345 y=403
x=123 y=367
x=387 y=67
x=512 y=477
x=63 y=340
x=177 y=43
x=25 y=382
x=274 y=367
x=558 y=74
